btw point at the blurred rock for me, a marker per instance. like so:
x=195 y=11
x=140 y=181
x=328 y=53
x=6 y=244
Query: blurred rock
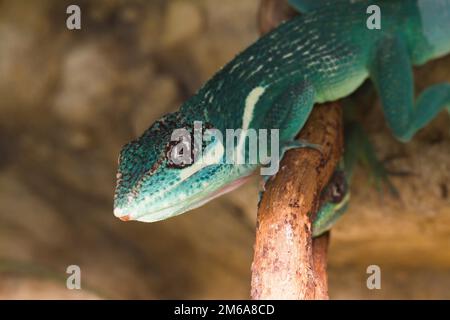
x=88 y=76
x=161 y=97
x=182 y=21
x=79 y=140
x=23 y=68
x=16 y=287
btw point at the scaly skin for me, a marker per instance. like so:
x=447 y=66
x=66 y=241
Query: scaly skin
x=320 y=56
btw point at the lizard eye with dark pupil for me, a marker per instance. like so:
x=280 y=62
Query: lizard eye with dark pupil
x=175 y=157
x=174 y=151
x=339 y=187
x=337 y=193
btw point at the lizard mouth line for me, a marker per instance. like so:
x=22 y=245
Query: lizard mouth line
x=182 y=206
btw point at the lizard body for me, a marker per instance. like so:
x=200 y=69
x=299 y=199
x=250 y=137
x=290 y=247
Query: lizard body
x=320 y=56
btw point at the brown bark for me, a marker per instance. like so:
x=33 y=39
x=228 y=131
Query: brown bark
x=287 y=263
x=320 y=250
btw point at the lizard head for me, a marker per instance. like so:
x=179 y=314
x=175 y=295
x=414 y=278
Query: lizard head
x=152 y=185
x=334 y=202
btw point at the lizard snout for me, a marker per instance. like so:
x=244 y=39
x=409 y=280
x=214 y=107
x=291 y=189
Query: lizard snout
x=125 y=218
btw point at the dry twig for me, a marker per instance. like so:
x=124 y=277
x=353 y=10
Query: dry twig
x=287 y=263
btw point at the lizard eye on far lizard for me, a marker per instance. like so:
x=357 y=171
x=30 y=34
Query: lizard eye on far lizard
x=336 y=189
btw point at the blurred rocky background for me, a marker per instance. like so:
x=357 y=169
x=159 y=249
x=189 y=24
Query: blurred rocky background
x=70 y=99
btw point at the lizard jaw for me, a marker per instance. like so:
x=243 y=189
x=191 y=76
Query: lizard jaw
x=179 y=208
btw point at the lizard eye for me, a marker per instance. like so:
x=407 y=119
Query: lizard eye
x=180 y=154
x=337 y=193
x=338 y=188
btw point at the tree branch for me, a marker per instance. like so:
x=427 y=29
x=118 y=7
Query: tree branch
x=287 y=263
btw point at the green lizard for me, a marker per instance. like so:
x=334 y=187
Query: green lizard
x=322 y=55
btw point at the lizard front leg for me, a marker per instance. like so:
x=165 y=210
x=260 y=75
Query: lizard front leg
x=391 y=73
